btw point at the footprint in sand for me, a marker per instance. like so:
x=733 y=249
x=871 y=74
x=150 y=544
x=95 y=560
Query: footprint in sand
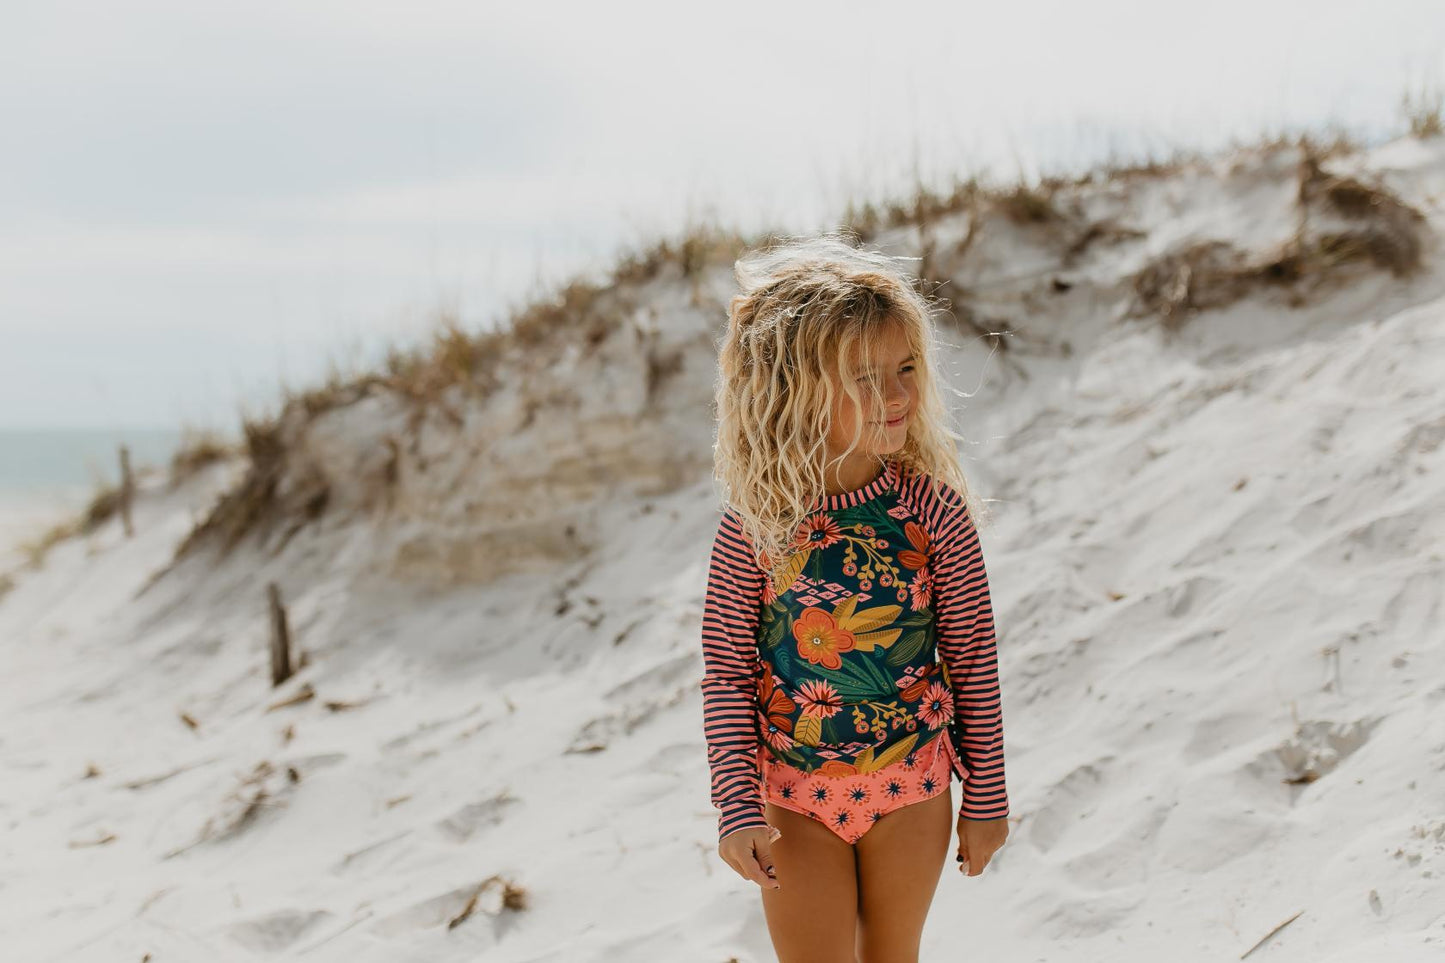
x=277 y=931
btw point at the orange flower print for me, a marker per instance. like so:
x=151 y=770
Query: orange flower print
x=936 y=710
x=817 y=531
x=820 y=639
x=819 y=699
x=916 y=557
x=921 y=589
x=836 y=769
x=775 y=709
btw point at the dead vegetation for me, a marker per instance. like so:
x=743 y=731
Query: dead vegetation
x=265 y=787
x=1422 y=111
x=196 y=450
x=456 y=367
x=102 y=507
x=454 y=363
x=1358 y=223
x=1019 y=202
x=510 y=898
x=238 y=510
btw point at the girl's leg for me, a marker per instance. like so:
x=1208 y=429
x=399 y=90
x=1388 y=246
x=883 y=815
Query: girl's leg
x=813 y=917
x=900 y=860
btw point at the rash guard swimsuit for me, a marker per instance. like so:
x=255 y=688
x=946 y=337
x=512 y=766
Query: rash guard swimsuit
x=860 y=673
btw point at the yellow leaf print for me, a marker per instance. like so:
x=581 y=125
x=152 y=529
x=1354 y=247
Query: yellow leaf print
x=808 y=730
x=843 y=611
x=870 y=619
x=864 y=760
x=893 y=753
x=868 y=640
x=787 y=573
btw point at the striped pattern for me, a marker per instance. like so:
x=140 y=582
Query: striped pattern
x=729 y=682
x=965 y=633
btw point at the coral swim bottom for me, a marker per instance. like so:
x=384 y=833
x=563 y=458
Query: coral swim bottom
x=850 y=805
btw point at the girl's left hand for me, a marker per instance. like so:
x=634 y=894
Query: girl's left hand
x=978 y=840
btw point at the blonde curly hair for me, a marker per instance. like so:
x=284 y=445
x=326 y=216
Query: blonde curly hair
x=808 y=306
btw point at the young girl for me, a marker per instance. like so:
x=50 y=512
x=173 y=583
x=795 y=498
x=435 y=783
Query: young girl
x=847 y=630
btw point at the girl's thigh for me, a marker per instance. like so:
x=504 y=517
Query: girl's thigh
x=813 y=916
x=900 y=860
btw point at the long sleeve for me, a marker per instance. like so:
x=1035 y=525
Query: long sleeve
x=965 y=635
x=729 y=682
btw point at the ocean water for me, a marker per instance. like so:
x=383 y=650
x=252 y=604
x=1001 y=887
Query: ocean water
x=47 y=474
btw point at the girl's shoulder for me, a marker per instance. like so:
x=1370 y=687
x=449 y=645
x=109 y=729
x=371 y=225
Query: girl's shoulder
x=931 y=494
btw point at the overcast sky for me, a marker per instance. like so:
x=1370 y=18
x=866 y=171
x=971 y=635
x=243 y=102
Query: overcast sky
x=201 y=200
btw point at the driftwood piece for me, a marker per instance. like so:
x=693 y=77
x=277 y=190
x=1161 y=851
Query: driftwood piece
x=280 y=637
x=1266 y=936
x=127 y=491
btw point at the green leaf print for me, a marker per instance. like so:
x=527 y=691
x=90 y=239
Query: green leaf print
x=777 y=628
x=905 y=650
x=866 y=679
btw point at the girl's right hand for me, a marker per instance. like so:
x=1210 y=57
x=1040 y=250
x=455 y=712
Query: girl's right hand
x=749 y=852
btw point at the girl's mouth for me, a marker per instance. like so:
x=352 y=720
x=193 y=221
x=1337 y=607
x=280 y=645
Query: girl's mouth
x=897 y=422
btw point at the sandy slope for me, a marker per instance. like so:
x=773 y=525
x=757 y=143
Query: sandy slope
x=1217 y=565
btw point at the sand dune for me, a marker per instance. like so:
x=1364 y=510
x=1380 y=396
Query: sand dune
x=1215 y=544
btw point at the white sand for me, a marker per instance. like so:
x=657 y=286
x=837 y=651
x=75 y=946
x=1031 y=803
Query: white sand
x=1216 y=562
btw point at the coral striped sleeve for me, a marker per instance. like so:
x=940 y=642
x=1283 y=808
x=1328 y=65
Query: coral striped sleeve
x=729 y=683
x=966 y=644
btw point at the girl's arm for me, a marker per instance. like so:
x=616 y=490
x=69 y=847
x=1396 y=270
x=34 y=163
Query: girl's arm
x=966 y=643
x=729 y=682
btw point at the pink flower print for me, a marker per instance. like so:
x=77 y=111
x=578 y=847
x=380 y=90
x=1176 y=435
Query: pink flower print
x=817 y=531
x=777 y=738
x=936 y=709
x=819 y=699
x=921 y=589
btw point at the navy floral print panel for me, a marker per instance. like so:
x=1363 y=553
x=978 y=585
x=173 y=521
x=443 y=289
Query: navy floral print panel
x=850 y=679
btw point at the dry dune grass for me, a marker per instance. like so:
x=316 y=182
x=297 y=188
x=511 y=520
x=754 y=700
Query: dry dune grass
x=1364 y=223
x=1422 y=111
x=102 y=507
x=1376 y=227
x=255 y=497
x=453 y=359
x=196 y=450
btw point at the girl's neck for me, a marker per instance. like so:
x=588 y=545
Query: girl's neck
x=854 y=473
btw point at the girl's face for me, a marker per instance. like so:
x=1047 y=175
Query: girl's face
x=895 y=378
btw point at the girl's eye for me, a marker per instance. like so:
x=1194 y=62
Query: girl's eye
x=907 y=367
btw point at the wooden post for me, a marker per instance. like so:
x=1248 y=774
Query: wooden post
x=127 y=491
x=280 y=637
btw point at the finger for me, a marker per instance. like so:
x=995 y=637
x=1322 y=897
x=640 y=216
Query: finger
x=739 y=865
x=764 y=871
x=962 y=858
